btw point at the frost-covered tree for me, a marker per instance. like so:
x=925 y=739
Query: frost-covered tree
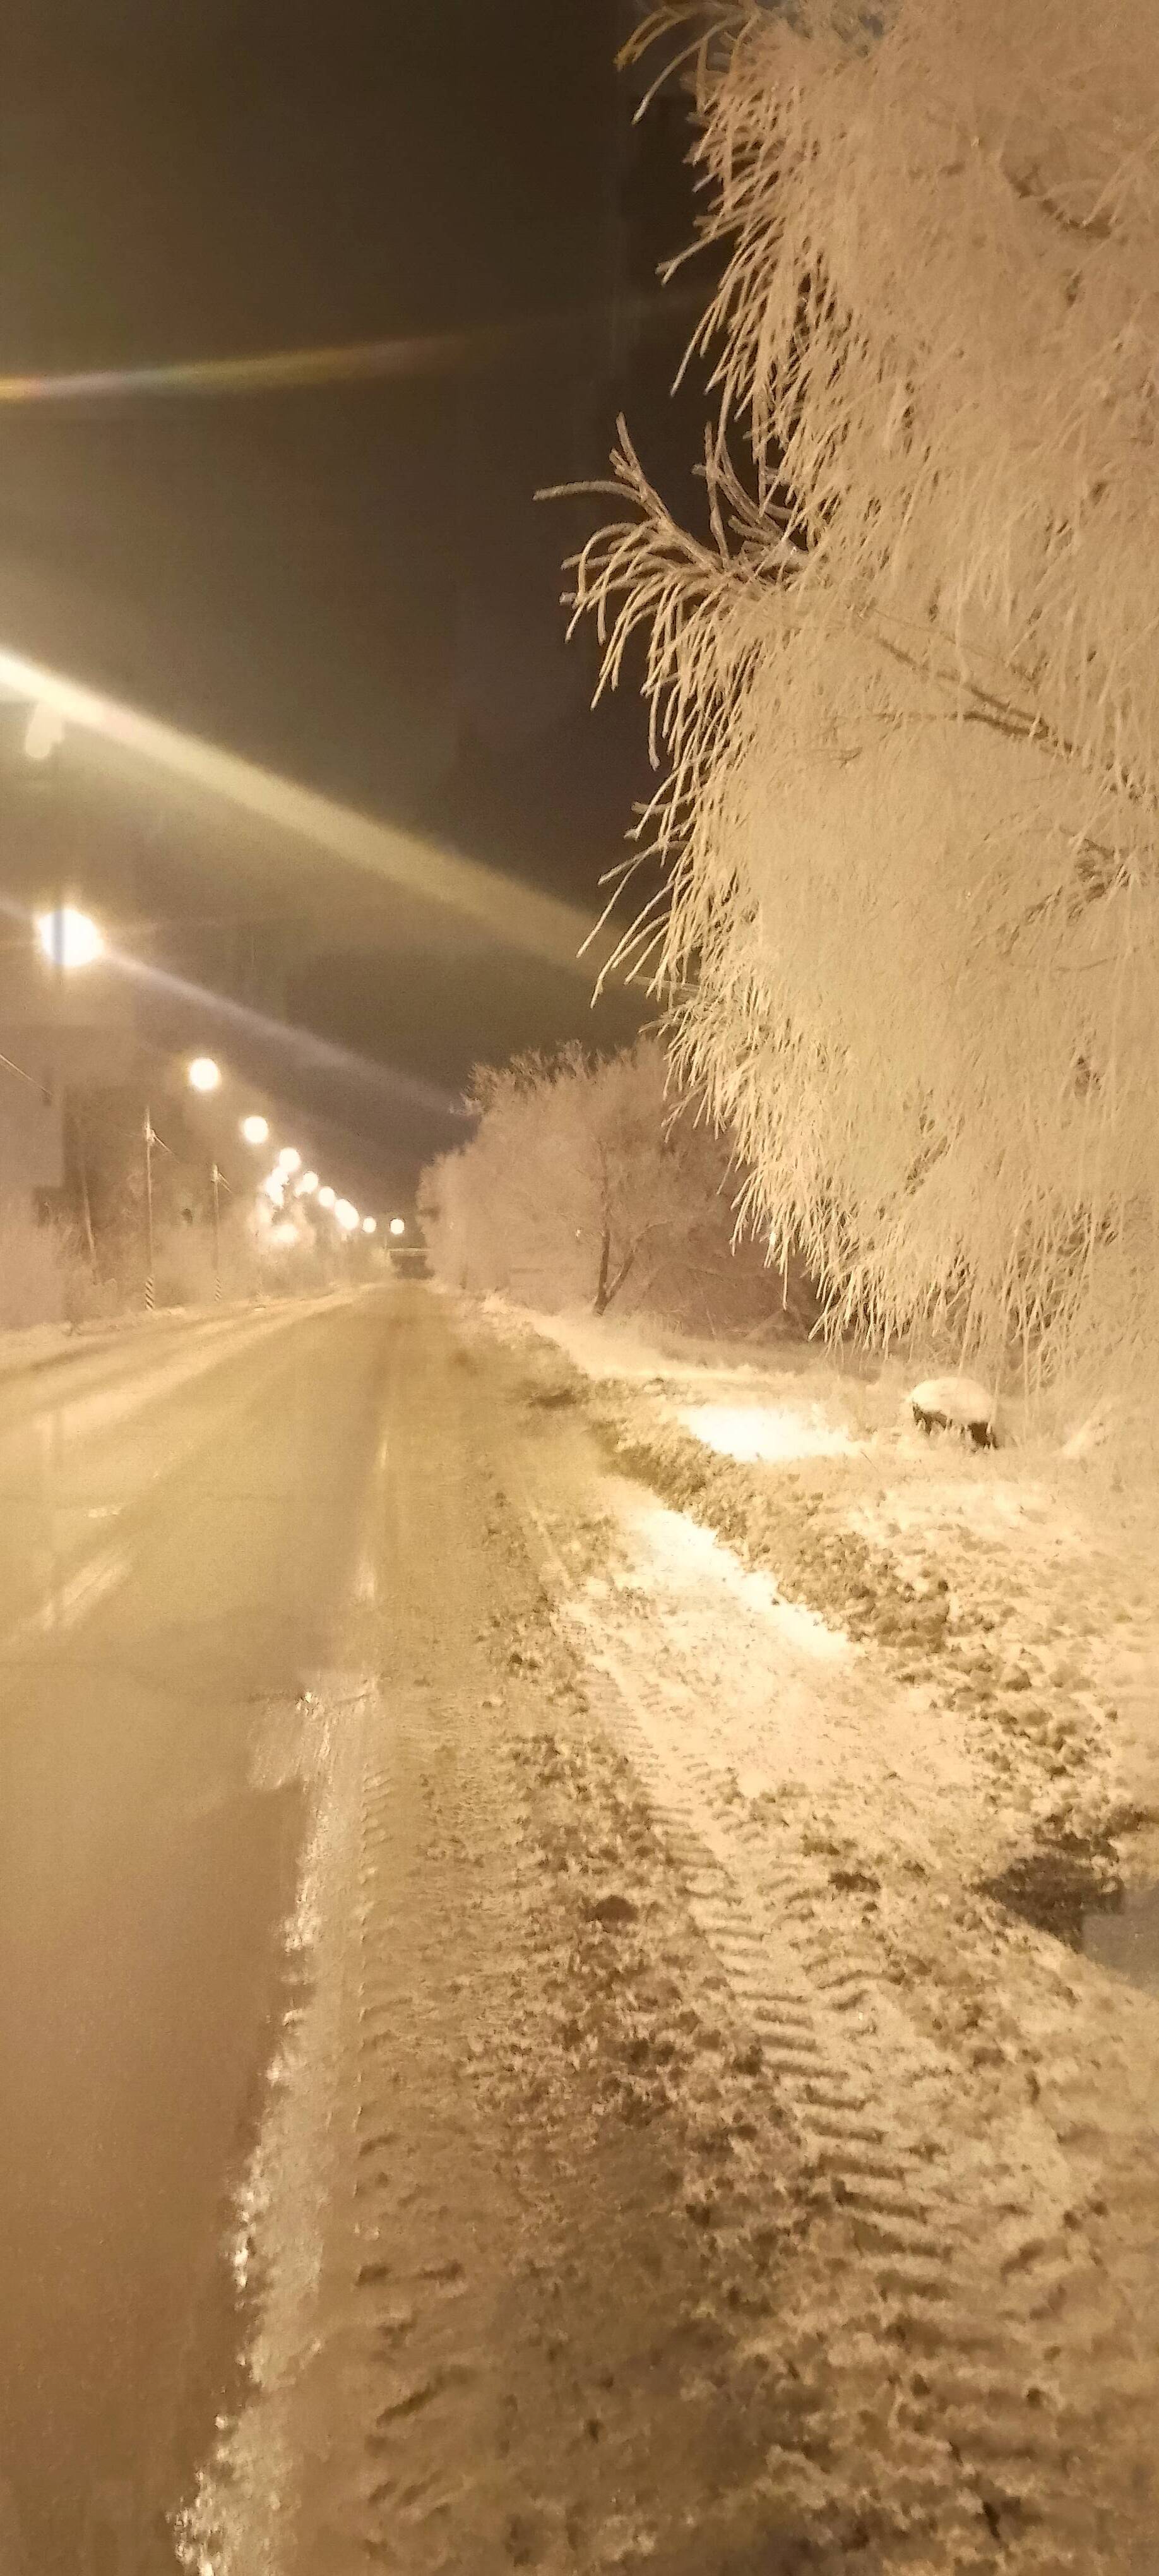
x=590 y=1182
x=904 y=694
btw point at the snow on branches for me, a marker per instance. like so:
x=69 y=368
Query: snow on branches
x=590 y=1182
x=903 y=699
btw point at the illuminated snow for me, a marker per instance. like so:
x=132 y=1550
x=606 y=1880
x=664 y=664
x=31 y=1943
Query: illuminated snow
x=767 y=1432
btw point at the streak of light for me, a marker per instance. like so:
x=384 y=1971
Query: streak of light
x=310 y=1053
x=431 y=353
x=268 y=371
x=538 y=924
x=43 y=733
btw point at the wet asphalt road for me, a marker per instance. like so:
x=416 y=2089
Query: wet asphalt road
x=179 y=1519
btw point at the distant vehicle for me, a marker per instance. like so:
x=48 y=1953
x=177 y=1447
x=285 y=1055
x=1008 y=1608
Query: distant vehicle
x=409 y=1261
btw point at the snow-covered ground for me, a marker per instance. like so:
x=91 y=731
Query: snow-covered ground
x=680 y=2153
x=1044 y=1564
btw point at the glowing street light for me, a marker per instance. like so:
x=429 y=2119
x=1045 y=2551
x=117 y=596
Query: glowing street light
x=289 y=1159
x=398 y=1225
x=326 y=1196
x=255 y=1130
x=307 y=1185
x=346 y=1215
x=368 y=1225
x=68 y=937
x=203 y=1074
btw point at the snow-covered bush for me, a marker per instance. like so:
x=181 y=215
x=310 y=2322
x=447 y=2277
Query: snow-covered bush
x=591 y=1182
x=904 y=697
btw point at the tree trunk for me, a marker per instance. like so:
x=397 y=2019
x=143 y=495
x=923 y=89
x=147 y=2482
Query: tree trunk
x=605 y=1267
x=606 y=1286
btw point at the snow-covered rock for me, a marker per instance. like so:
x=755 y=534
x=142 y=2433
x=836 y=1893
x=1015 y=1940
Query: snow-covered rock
x=955 y=1404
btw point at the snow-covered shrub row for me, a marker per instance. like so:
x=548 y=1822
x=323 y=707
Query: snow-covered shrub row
x=904 y=696
x=592 y=1182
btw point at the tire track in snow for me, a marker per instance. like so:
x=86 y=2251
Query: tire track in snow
x=977 y=2299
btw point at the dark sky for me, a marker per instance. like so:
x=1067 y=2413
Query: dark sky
x=351 y=584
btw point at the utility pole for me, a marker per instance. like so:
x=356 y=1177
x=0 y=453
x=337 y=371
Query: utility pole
x=57 y=1072
x=150 y=1141
x=217 y=1184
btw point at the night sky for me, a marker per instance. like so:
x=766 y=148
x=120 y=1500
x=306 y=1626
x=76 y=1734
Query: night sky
x=351 y=584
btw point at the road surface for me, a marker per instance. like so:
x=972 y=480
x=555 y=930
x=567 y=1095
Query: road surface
x=177 y=1519
x=437 y=2137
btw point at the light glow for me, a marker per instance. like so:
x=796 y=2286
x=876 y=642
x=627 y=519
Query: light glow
x=42 y=733
x=369 y=1225
x=752 y=1432
x=307 y=1185
x=204 y=1074
x=347 y=1216
x=255 y=1129
x=398 y=1225
x=326 y=1196
x=538 y=924
x=68 y=937
x=290 y=1159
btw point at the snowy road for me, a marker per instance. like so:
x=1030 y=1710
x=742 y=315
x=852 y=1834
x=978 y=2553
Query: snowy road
x=178 y=1517
x=475 y=1959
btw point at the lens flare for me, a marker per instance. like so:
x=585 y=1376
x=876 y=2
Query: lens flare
x=538 y=924
x=68 y=938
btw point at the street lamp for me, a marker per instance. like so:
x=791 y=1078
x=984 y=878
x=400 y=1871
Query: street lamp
x=255 y=1130
x=326 y=1196
x=290 y=1159
x=346 y=1215
x=203 y=1074
x=368 y=1225
x=68 y=937
x=398 y=1225
x=306 y=1187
